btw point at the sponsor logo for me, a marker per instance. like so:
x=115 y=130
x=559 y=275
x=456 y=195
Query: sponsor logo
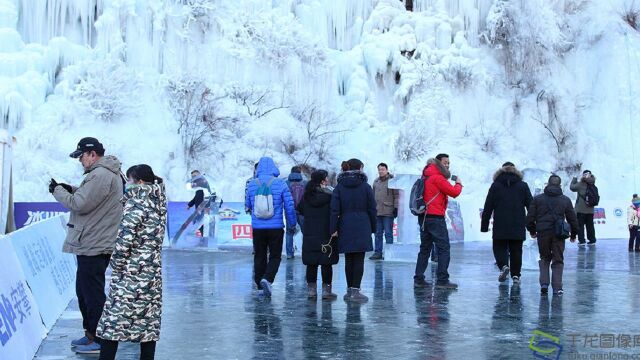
x=228 y=214
x=617 y=212
x=241 y=231
x=35 y=216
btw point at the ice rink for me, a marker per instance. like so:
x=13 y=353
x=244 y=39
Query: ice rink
x=210 y=311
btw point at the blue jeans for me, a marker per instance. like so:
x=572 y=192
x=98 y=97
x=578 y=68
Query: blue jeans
x=383 y=224
x=290 y=234
x=435 y=233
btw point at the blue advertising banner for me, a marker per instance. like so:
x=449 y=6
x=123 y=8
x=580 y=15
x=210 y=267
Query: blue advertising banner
x=234 y=226
x=27 y=213
x=219 y=227
x=226 y=226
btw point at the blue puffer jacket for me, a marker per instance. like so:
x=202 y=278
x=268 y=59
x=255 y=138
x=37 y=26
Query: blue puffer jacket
x=281 y=197
x=353 y=212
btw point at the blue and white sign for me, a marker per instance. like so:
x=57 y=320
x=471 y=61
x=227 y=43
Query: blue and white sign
x=27 y=213
x=21 y=329
x=50 y=273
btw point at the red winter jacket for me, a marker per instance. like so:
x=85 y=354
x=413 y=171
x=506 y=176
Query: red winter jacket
x=437 y=188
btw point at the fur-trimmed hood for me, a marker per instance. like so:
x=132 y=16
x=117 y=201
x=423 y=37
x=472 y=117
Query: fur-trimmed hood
x=508 y=175
x=352 y=178
x=435 y=166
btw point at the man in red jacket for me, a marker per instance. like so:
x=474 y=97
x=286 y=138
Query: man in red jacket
x=433 y=226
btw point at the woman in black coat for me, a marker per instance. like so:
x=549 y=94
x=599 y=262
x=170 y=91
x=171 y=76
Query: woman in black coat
x=507 y=201
x=319 y=248
x=353 y=220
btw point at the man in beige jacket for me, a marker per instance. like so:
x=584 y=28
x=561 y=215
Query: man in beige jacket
x=95 y=213
x=386 y=209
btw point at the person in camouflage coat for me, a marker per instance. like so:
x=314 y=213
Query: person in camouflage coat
x=133 y=308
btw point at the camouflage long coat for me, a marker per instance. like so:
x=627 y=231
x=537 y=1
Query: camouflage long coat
x=134 y=306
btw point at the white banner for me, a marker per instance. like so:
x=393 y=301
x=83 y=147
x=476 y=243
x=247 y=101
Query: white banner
x=50 y=273
x=609 y=218
x=21 y=329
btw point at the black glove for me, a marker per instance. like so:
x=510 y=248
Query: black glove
x=395 y=212
x=52 y=185
x=66 y=187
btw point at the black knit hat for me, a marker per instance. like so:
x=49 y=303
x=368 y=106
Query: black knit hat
x=586 y=172
x=508 y=163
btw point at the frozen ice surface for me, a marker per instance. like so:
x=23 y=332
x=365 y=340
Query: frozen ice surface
x=209 y=311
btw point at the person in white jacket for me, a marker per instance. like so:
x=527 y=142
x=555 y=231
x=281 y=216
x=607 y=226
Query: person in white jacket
x=633 y=219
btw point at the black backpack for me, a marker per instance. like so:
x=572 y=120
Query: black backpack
x=416 y=199
x=591 y=196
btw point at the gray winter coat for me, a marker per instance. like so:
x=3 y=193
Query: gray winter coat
x=581 y=188
x=386 y=199
x=95 y=209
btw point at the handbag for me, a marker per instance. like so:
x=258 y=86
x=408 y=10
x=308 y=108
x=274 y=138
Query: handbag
x=561 y=228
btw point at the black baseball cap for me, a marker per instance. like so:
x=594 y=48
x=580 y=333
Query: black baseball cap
x=86 y=144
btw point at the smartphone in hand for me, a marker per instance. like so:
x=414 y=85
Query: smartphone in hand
x=454 y=178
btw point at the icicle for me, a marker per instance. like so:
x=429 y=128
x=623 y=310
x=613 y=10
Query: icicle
x=40 y=21
x=341 y=27
x=13 y=110
x=471 y=14
x=429 y=5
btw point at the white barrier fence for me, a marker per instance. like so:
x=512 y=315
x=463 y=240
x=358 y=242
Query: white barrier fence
x=36 y=285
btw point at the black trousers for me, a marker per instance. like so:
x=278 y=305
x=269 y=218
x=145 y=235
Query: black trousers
x=433 y=233
x=267 y=247
x=586 y=220
x=354 y=269
x=634 y=236
x=90 y=289
x=108 y=350
x=326 y=270
x=508 y=252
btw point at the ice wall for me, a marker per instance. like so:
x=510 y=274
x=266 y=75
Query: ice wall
x=388 y=72
x=27 y=72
